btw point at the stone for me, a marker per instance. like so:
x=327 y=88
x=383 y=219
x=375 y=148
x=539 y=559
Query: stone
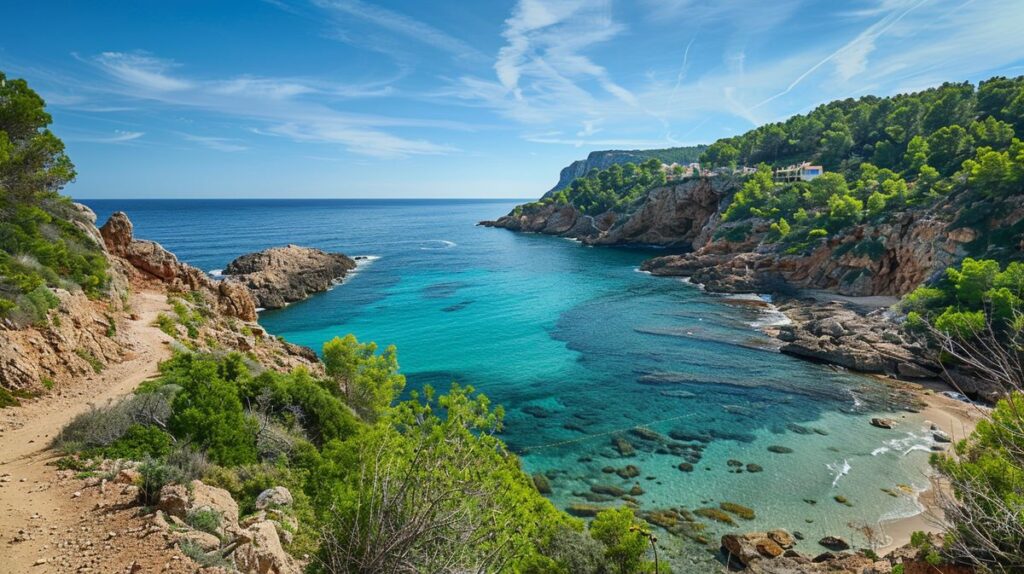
x=127 y=476
x=752 y=467
x=275 y=497
x=204 y=540
x=779 y=449
x=782 y=537
x=834 y=543
x=883 y=423
x=263 y=554
x=627 y=472
x=206 y=497
x=685 y=467
x=542 y=484
x=623 y=446
x=173 y=500
x=941 y=436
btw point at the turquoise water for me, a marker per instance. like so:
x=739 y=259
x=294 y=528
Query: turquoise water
x=579 y=347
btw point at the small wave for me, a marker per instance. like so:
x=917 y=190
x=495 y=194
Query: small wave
x=856 y=401
x=361 y=262
x=911 y=442
x=689 y=281
x=217 y=273
x=838 y=470
x=437 y=244
x=638 y=270
x=260 y=309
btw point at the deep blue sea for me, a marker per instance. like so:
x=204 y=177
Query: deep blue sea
x=579 y=346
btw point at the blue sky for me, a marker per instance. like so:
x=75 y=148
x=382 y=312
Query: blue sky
x=352 y=98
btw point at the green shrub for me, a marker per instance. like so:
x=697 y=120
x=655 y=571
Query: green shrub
x=87 y=356
x=206 y=520
x=139 y=442
x=154 y=476
x=100 y=427
x=166 y=323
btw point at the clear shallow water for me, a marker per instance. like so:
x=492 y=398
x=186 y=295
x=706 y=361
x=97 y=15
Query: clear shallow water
x=577 y=344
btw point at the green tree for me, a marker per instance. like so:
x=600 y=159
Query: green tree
x=369 y=381
x=208 y=412
x=625 y=545
x=917 y=154
x=32 y=159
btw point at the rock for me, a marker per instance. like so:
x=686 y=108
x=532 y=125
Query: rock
x=204 y=540
x=263 y=554
x=275 y=497
x=782 y=537
x=780 y=449
x=623 y=446
x=883 y=423
x=282 y=275
x=941 y=436
x=584 y=510
x=685 y=467
x=628 y=471
x=127 y=476
x=607 y=489
x=835 y=543
x=752 y=467
x=173 y=500
x=542 y=484
x=738 y=509
x=206 y=497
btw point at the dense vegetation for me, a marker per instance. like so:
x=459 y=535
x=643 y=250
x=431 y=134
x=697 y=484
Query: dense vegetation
x=610 y=189
x=602 y=160
x=969 y=298
x=384 y=487
x=883 y=155
x=41 y=246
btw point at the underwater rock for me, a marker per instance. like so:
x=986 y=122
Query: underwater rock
x=535 y=411
x=743 y=512
x=779 y=449
x=636 y=490
x=608 y=489
x=584 y=510
x=753 y=467
x=834 y=543
x=715 y=514
x=646 y=434
x=542 y=484
x=623 y=446
x=733 y=462
x=628 y=471
x=685 y=467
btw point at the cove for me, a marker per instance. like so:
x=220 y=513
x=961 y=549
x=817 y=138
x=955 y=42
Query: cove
x=580 y=348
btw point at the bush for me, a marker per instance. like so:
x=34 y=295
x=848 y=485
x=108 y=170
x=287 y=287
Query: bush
x=206 y=520
x=102 y=426
x=155 y=475
x=139 y=442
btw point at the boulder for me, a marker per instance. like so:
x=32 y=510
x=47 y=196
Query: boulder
x=835 y=543
x=883 y=423
x=262 y=553
x=173 y=500
x=275 y=497
x=206 y=497
x=941 y=436
x=203 y=540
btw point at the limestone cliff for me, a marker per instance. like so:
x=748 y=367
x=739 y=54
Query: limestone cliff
x=605 y=159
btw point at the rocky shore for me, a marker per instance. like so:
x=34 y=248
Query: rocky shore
x=283 y=275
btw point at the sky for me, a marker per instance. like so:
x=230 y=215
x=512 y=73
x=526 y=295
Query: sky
x=441 y=98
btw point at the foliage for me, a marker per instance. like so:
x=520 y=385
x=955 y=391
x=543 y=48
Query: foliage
x=204 y=519
x=154 y=476
x=41 y=247
x=625 y=544
x=967 y=297
x=370 y=381
x=614 y=188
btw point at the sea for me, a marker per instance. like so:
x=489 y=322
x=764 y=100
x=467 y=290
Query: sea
x=580 y=348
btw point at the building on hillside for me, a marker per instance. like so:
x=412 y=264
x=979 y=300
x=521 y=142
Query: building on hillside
x=802 y=172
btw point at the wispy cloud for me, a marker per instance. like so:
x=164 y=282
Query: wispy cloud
x=142 y=71
x=118 y=137
x=403 y=25
x=286 y=107
x=216 y=143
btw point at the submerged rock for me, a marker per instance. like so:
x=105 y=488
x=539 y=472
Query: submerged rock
x=542 y=484
x=835 y=543
x=780 y=449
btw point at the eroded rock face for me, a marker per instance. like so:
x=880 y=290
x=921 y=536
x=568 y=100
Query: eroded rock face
x=671 y=215
x=282 y=275
x=149 y=261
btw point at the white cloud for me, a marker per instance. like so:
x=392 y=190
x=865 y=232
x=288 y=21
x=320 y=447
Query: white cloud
x=403 y=25
x=141 y=70
x=216 y=143
x=118 y=137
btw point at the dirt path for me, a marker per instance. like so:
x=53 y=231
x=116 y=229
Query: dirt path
x=52 y=522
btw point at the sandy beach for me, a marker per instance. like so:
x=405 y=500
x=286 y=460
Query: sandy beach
x=956 y=418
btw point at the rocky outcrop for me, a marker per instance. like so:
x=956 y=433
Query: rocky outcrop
x=148 y=261
x=889 y=258
x=772 y=553
x=283 y=275
x=832 y=332
x=675 y=215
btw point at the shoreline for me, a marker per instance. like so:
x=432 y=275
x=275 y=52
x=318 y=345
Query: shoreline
x=956 y=418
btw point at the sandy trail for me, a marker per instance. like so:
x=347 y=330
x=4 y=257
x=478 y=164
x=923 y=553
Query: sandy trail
x=48 y=524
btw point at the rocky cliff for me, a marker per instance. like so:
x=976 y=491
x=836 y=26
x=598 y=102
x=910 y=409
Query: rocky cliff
x=676 y=215
x=83 y=335
x=282 y=275
x=605 y=159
